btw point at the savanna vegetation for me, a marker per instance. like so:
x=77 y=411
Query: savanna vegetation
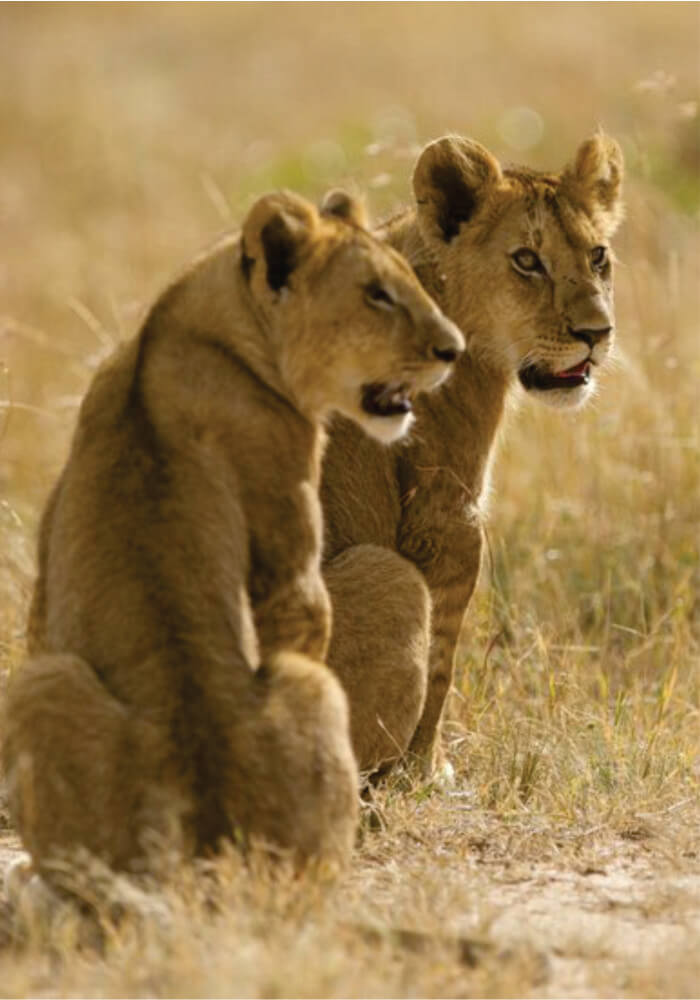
x=565 y=859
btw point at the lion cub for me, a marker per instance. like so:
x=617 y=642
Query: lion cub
x=180 y=618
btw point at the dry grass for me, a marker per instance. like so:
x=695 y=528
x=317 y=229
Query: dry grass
x=565 y=860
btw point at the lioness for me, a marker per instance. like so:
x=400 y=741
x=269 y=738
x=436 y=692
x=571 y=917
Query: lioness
x=180 y=618
x=521 y=261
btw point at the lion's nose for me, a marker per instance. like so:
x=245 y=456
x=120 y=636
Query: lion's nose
x=448 y=342
x=590 y=336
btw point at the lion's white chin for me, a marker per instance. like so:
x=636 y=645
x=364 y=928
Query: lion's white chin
x=563 y=399
x=387 y=429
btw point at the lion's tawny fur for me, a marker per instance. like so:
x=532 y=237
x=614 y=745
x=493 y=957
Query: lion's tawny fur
x=410 y=516
x=175 y=686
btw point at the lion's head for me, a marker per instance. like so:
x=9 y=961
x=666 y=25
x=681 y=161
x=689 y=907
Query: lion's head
x=354 y=329
x=523 y=259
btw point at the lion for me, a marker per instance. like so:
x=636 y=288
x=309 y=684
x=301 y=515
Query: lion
x=521 y=260
x=176 y=691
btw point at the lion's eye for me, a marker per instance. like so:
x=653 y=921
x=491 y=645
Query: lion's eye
x=378 y=296
x=599 y=257
x=527 y=261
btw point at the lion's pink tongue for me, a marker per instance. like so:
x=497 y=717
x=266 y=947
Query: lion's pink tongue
x=576 y=372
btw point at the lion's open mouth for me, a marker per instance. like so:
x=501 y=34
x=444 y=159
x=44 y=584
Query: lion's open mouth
x=532 y=377
x=386 y=399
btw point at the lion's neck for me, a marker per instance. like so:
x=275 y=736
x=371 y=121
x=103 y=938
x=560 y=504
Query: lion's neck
x=456 y=430
x=215 y=304
x=204 y=349
x=456 y=426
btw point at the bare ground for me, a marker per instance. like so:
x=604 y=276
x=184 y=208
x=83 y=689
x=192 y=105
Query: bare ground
x=474 y=909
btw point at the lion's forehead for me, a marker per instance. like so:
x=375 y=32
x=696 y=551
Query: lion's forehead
x=359 y=253
x=540 y=217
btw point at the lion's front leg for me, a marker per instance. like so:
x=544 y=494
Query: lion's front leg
x=292 y=776
x=290 y=603
x=451 y=573
x=426 y=746
x=295 y=616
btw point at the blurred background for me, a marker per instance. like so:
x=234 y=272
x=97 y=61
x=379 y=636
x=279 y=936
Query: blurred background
x=132 y=134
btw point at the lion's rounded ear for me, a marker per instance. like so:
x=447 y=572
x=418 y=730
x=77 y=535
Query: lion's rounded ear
x=594 y=179
x=450 y=180
x=345 y=206
x=275 y=232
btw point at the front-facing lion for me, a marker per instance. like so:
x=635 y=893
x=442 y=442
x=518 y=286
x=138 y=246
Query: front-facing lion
x=180 y=620
x=521 y=260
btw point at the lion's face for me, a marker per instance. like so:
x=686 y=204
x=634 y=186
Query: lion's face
x=356 y=332
x=526 y=260
x=552 y=283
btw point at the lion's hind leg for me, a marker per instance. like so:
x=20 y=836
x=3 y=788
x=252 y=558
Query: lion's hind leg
x=79 y=766
x=379 y=648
